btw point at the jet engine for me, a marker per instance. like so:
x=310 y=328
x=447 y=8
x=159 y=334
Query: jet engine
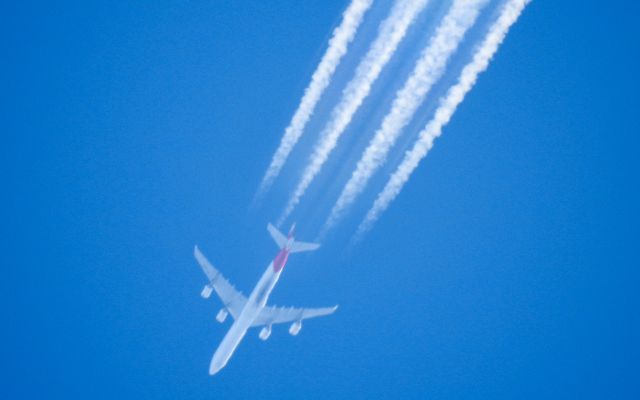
x=222 y=315
x=206 y=292
x=265 y=332
x=295 y=328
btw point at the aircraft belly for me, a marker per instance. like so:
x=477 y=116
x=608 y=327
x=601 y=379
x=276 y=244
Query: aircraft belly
x=232 y=338
x=265 y=286
x=255 y=304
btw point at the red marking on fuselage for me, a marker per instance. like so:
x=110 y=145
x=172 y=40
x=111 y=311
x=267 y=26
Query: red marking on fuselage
x=280 y=260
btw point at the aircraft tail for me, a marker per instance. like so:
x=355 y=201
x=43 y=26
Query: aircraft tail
x=282 y=241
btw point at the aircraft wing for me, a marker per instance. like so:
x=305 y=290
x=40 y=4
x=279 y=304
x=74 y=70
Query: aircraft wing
x=233 y=300
x=277 y=315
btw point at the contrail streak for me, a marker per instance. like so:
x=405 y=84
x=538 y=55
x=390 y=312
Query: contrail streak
x=392 y=31
x=342 y=36
x=481 y=58
x=429 y=68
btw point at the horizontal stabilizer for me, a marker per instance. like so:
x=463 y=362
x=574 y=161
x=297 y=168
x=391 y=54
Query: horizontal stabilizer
x=278 y=237
x=298 y=247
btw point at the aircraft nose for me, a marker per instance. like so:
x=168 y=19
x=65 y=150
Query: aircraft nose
x=214 y=368
x=216 y=365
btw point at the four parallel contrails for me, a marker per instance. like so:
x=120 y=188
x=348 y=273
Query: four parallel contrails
x=431 y=65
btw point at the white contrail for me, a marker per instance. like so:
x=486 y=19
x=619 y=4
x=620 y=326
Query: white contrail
x=342 y=36
x=392 y=31
x=430 y=66
x=483 y=54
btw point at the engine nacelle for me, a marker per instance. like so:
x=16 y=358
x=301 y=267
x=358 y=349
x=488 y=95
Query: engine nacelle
x=265 y=332
x=222 y=315
x=294 y=329
x=206 y=292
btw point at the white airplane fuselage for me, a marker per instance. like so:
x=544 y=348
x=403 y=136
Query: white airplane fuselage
x=255 y=303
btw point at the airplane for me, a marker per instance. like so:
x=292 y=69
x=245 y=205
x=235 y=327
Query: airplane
x=254 y=311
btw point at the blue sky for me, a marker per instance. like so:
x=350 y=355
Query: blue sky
x=507 y=268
